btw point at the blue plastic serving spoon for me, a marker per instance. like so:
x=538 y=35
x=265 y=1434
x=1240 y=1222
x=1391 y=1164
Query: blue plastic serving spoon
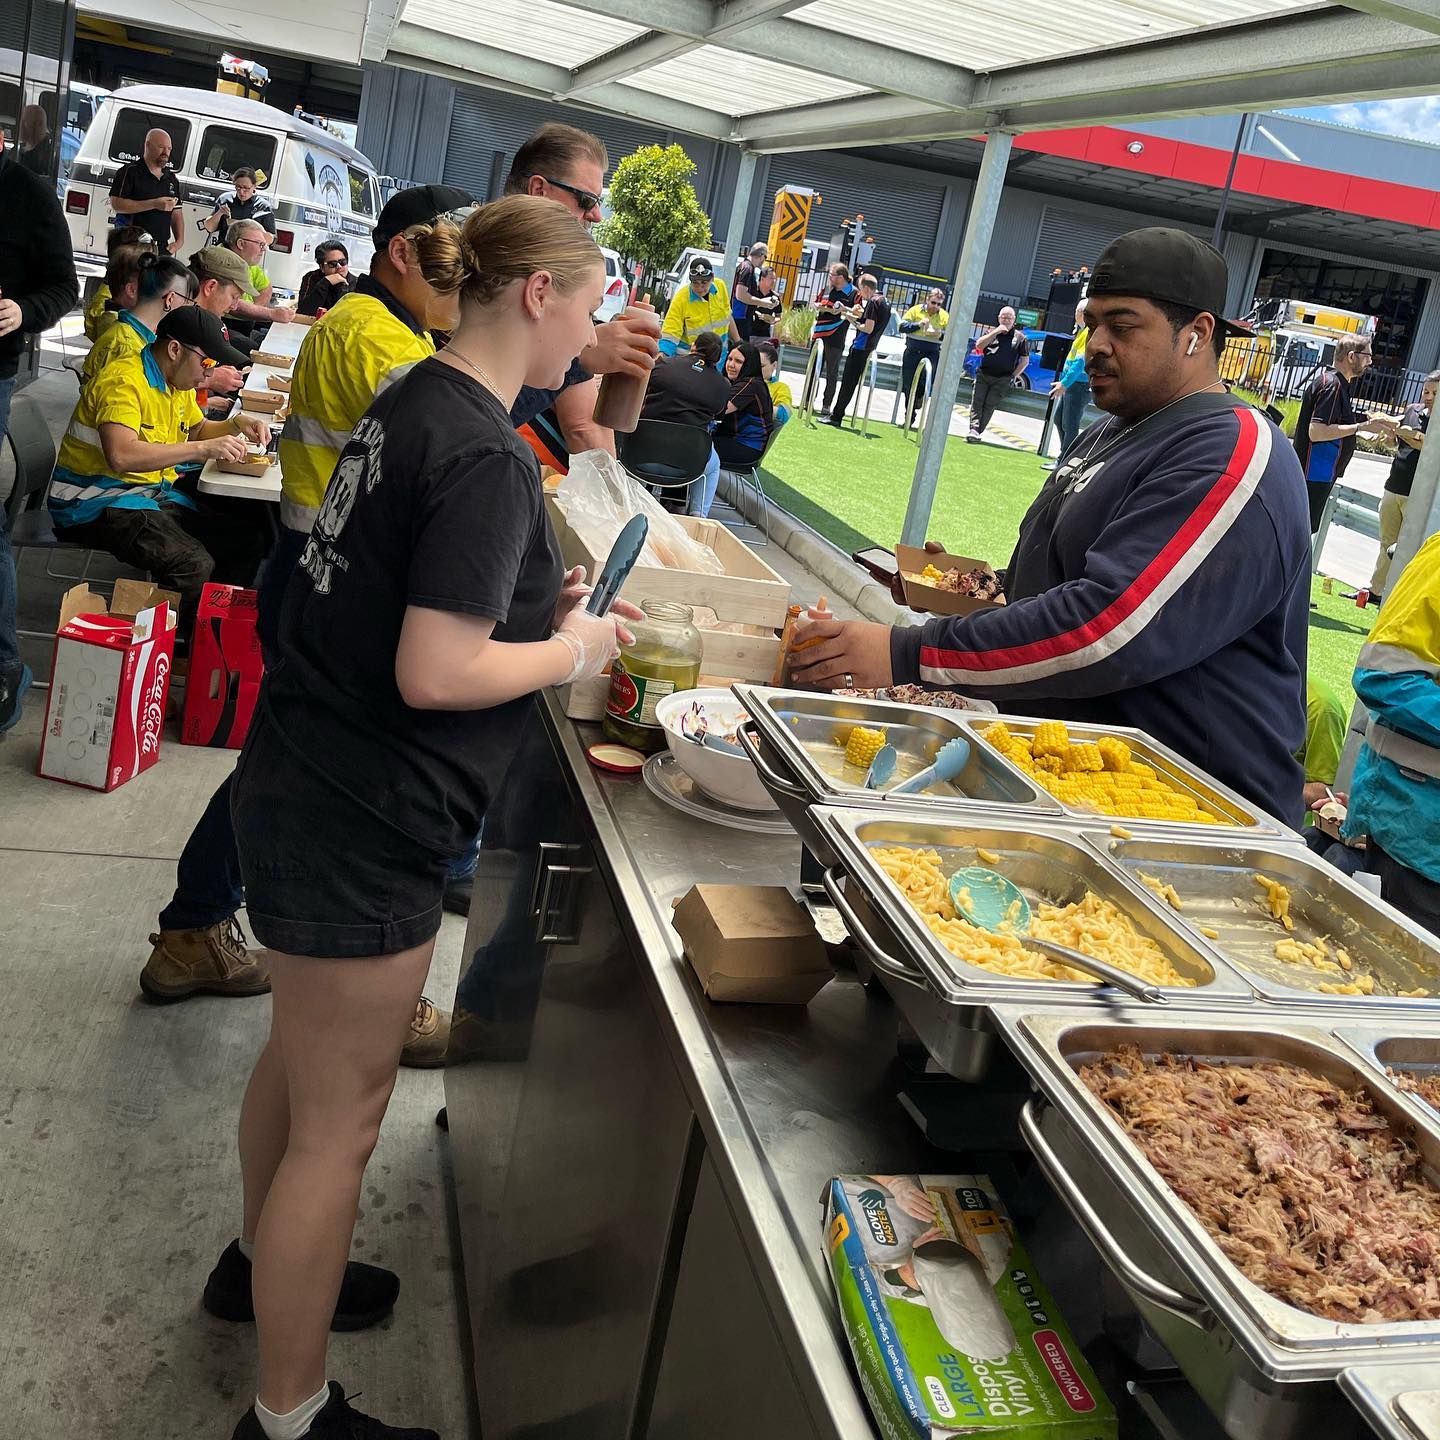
x=953 y=757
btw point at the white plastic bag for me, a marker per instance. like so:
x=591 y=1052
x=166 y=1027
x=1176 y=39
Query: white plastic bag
x=598 y=497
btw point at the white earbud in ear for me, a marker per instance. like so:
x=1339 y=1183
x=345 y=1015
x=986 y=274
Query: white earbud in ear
x=1194 y=341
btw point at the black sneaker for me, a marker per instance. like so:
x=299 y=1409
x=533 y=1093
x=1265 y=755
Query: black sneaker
x=339 y=1420
x=367 y=1293
x=12 y=691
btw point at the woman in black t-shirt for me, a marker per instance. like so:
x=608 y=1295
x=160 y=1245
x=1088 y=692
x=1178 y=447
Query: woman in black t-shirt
x=745 y=426
x=429 y=604
x=687 y=389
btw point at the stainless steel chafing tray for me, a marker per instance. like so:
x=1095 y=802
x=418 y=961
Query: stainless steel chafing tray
x=1232 y=811
x=1267 y=1369
x=1211 y=877
x=802 y=764
x=1403 y=1048
x=945 y=998
x=1398 y=1402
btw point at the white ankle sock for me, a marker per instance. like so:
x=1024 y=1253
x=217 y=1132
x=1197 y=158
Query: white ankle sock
x=247 y=1248
x=297 y=1423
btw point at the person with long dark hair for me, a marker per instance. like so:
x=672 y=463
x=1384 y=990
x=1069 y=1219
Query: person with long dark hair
x=428 y=605
x=744 y=426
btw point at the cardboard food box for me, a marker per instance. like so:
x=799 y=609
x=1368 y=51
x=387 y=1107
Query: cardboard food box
x=225 y=669
x=752 y=942
x=925 y=596
x=108 y=684
x=279 y=382
x=952 y=1331
x=269 y=357
x=253 y=465
x=260 y=400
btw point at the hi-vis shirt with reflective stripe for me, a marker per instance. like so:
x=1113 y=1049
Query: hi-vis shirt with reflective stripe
x=352 y=353
x=688 y=317
x=1395 y=795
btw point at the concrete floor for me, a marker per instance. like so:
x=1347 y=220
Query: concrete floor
x=119 y=1184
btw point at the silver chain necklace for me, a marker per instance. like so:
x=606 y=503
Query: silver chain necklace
x=1097 y=452
x=485 y=379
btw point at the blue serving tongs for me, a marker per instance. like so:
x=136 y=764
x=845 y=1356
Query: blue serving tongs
x=618 y=565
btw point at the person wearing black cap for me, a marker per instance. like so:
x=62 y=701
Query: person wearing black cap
x=113 y=486
x=1161 y=577
x=702 y=306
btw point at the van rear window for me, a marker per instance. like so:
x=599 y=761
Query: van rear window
x=224 y=150
x=127 y=137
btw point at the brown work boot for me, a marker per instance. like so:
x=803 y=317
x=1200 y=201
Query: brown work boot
x=212 y=961
x=429 y=1037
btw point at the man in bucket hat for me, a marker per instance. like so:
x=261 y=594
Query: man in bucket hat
x=1161 y=577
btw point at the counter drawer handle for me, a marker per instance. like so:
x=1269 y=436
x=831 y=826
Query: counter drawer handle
x=557 y=902
x=882 y=960
x=768 y=773
x=1189 y=1308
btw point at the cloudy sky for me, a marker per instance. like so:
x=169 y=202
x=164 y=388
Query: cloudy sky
x=1417 y=118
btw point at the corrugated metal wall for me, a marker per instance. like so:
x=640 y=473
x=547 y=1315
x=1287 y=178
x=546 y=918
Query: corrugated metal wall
x=404 y=125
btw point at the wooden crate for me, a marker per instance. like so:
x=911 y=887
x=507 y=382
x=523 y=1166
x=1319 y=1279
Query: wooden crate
x=750 y=593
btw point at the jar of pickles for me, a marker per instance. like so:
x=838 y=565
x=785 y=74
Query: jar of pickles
x=664 y=657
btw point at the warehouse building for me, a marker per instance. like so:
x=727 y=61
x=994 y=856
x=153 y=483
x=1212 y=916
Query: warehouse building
x=1316 y=211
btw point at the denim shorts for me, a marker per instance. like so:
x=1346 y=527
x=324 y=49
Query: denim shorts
x=325 y=875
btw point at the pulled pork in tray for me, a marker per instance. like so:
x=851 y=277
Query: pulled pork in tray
x=910 y=695
x=1302 y=1184
x=1427 y=1087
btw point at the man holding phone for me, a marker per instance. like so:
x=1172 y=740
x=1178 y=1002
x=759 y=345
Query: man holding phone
x=243 y=201
x=1004 y=353
x=146 y=193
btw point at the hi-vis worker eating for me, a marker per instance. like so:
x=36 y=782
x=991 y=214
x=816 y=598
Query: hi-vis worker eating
x=1161 y=577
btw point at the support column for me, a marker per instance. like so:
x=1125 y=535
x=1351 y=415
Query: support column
x=984 y=205
x=739 y=209
x=1422 y=520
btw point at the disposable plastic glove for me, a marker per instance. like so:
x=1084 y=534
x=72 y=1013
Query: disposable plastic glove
x=593 y=642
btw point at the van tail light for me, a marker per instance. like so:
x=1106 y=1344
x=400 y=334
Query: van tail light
x=284 y=242
x=77 y=202
x=616 y=287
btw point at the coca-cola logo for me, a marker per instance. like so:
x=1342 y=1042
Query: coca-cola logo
x=154 y=717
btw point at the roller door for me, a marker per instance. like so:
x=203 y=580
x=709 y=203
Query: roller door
x=1070 y=239
x=903 y=217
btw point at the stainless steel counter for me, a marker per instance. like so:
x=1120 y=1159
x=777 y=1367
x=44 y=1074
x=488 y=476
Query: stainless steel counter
x=638 y=1171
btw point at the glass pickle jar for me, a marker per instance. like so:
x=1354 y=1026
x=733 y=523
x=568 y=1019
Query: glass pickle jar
x=664 y=657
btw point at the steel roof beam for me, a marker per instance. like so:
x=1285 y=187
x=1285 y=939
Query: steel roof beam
x=418 y=48
x=1420 y=14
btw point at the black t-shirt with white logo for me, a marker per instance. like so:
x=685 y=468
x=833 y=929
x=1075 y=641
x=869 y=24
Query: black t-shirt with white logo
x=1004 y=353
x=435 y=502
x=877 y=308
x=684 y=392
x=135 y=182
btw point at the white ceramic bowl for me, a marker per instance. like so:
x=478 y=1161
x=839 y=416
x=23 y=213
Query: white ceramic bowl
x=730 y=779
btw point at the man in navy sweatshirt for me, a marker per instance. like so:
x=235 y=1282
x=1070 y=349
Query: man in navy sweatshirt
x=1161 y=577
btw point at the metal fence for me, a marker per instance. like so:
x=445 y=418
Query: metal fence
x=1279 y=367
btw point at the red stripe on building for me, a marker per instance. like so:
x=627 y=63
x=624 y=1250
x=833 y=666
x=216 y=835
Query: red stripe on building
x=1139 y=590
x=1270 y=179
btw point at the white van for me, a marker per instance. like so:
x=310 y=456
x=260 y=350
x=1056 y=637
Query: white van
x=317 y=185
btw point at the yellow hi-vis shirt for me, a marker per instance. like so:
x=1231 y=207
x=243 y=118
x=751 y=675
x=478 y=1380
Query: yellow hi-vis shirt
x=132 y=392
x=127 y=336
x=97 y=318
x=919 y=315
x=687 y=317
x=350 y=354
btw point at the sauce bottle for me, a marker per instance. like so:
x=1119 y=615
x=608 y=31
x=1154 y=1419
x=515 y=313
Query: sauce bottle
x=621 y=397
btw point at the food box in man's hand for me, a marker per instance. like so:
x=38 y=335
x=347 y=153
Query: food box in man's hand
x=108 y=684
x=952 y=1331
x=251 y=465
x=925 y=592
x=225 y=669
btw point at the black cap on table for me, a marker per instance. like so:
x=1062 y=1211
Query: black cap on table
x=1170 y=266
x=418 y=206
x=191 y=325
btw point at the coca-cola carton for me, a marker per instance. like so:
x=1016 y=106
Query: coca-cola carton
x=225 y=669
x=108 y=684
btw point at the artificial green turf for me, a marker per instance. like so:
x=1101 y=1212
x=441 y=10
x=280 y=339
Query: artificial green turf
x=853 y=490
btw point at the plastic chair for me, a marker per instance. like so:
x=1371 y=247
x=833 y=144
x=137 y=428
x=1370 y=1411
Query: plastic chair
x=750 y=476
x=663 y=455
x=25 y=509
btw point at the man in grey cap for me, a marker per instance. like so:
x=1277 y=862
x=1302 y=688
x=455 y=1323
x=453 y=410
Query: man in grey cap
x=1161 y=578
x=224 y=280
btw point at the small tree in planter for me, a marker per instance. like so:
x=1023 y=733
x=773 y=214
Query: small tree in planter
x=655 y=212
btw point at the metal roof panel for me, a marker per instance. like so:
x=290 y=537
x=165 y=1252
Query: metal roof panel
x=571 y=36
x=738 y=84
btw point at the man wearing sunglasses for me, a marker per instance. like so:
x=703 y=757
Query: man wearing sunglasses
x=568 y=166
x=1325 y=432
x=328 y=281
x=114 y=483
